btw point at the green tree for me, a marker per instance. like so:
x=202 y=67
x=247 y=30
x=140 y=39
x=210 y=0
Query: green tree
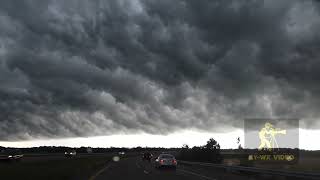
x=212 y=144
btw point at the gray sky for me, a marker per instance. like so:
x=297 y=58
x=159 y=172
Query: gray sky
x=90 y=68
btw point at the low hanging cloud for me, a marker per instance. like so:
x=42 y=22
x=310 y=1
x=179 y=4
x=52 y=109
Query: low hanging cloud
x=88 y=68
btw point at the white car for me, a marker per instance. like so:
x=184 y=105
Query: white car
x=166 y=160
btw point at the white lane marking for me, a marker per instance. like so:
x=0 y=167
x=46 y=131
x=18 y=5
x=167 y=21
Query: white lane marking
x=195 y=174
x=137 y=164
x=144 y=170
x=99 y=172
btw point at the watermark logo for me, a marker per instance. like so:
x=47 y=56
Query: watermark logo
x=268 y=138
x=272 y=139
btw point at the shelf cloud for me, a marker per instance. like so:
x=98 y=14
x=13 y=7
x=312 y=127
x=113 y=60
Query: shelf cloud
x=88 y=68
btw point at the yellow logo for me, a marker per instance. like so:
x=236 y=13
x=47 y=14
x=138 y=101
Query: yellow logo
x=267 y=136
x=277 y=157
x=290 y=157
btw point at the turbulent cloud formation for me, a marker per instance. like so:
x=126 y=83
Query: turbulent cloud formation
x=85 y=68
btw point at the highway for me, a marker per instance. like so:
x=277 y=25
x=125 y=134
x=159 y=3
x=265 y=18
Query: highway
x=135 y=168
x=131 y=167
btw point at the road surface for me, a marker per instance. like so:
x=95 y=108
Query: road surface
x=135 y=168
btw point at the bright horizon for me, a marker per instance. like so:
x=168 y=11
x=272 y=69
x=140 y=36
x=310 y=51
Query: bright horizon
x=189 y=137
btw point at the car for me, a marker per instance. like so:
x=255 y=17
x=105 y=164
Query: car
x=166 y=160
x=147 y=156
x=121 y=153
x=71 y=153
x=11 y=155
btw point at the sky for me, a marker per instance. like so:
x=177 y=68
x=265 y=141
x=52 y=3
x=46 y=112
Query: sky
x=143 y=69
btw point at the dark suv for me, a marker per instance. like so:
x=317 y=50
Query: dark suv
x=70 y=153
x=147 y=156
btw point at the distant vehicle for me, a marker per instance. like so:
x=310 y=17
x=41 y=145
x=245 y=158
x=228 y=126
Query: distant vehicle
x=166 y=160
x=71 y=153
x=147 y=156
x=122 y=153
x=89 y=150
x=10 y=155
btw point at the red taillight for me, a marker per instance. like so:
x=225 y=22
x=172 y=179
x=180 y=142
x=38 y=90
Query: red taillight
x=161 y=161
x=174 y=161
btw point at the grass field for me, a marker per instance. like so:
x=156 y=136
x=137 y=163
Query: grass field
x=78 y=168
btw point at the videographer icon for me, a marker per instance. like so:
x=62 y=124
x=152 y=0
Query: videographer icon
x=267 y=137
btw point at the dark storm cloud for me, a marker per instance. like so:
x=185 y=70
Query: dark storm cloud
x=86 y=68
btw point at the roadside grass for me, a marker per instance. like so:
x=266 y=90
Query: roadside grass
x=305 y=164
x=79 y=168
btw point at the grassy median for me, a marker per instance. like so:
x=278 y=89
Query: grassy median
x=55 y=169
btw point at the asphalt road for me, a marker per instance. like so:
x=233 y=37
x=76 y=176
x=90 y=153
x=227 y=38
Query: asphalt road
x=132 y=167
x=135 y=168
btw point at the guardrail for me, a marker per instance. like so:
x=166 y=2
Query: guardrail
x=303 y=175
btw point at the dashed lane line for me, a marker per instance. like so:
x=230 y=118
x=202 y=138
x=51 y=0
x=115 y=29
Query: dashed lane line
x=144 y=170
x=137 y=164
x=195 y=174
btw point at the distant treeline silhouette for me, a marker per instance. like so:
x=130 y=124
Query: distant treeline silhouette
x=207 y=153
x=210 y=152
x=62 y=149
